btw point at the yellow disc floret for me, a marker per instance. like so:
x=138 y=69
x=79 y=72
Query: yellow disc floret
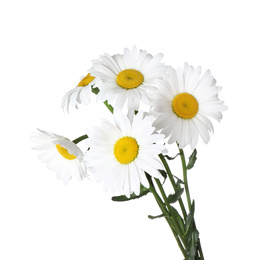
x=130 y=78
x=86 y=80
x=126 y=150
x=64 y=152
x=185 y=105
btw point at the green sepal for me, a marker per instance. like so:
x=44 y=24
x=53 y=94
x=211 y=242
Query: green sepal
x=192 y=160
x=158 y=216
x=192 y=245
x=190 y=218
x=143 y=192
x=172 y=198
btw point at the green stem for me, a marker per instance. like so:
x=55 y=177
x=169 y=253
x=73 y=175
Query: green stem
x=166 y=213
x=79 y=139
x=182 y=156
x=175 y=186
x=178 y=229
x=110 y=108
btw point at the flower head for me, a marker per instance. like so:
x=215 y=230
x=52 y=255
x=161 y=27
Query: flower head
x=60 y=155
x=81 y=94
x=121 y=153
x=184 y=103
x=128 y=78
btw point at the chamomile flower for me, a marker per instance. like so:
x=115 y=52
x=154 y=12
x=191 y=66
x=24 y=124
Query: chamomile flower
x=128 y=78
x=184 y=103
x=60 y=155
x=81 y=94
x=121 y=153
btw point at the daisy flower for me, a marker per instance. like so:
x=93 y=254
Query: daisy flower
x=184 y=103
x=121 y=153
x=81 y=94
x=60 y=155
x=128 y=78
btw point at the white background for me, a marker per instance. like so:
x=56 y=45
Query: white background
x=46 y=47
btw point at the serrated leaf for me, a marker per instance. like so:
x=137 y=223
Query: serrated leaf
x=192 y=160
x=122 y=198
x=192 y=245
x=190 y=217
x=172 y=198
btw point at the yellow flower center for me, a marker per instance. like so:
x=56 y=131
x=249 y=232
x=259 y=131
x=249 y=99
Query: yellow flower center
x=126 y=149
x=185 y=105
x=63 y=151
x=86 y=80
x=129 y=78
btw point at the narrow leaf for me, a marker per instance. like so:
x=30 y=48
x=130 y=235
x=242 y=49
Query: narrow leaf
x=179 y=181
x=159 y=216
x=163 y=173
x=143 y=192
x=172 y=198
x=179 y=219
x=171 y=158
x=190 y=217
x=192 y=245
x=192 y=160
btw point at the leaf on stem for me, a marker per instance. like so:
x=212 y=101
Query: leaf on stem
x=179 y=219
x=172 y=198
x=171 y=158
x=163 y=173
x=192 y=160
x=95 y=90
x=143 y=192
x=192 y=245
x=158 y=216
x=190 y=218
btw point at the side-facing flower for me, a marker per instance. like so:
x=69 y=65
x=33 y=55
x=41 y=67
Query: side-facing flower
x=121 y=153
x=81 y=94
x=184 y=103
x=60 y=155
x=128 y=78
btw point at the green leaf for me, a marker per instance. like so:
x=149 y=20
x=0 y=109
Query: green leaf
x=95 y=90
x=192 y=160
x=172 y=198
x=179 y=219
x=192 y=245
x=143 y=192
x=163 y=173
x=171 y=158
x=179 y=181
x=159 y=216
x=190 y=217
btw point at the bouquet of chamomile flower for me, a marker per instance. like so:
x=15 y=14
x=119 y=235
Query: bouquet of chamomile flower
x=130 y=155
